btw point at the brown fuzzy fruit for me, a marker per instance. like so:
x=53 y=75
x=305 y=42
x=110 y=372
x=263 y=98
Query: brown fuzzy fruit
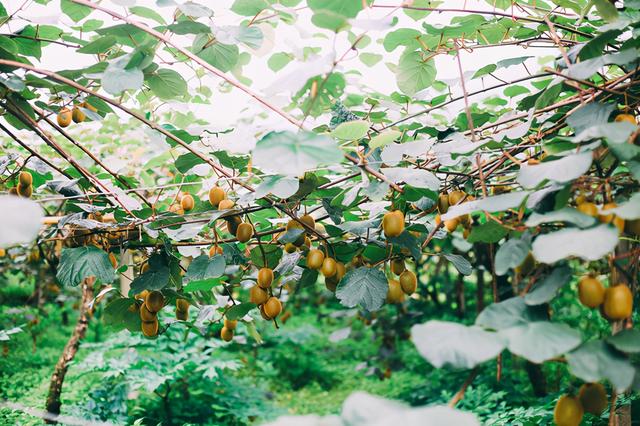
x=146 y=315
x=244 y=232
x=607 y=217
x=176 y=208
x=230 y=324
x=397 y=266
x=455 y=197
x=626 y=117
x=25 y=191
x=225 y=204
x=187 y=202
x=443 y=203
x=408 y=282
x=272 y=307
x=182 y=315
x=451 y=224
x=393 y=223
x=13 y=190
x=590 y=292
x=290 y=248
x=568 y=411
x=232 y=224
x=182 y=305
x=257 y=295
x=309 y=221
x=329 y=267
x=593 y=398
x=226 y=334
x=588 y=208
x=265 y=277
x=64 y=117
x=294 y=224
x=215 y=250
x=113 y=260
x=340 y=271
x=395 y=293
x=618 y=302
x=216 y=195
x=150 y=329
x=331 y=283
x=315 y=259
x=154 y=301
x=78 y=115
x=25 y=179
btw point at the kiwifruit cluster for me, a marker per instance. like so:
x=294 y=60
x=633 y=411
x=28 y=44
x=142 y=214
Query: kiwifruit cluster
x=569 y=409
x=615 y=302
x=24 y=188
x=65 y=115
x=152 y=303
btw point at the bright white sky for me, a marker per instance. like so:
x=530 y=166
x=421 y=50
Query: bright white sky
x=227 y=108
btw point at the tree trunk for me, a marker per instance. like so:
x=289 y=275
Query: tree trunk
x=536 y=377
x=479 y=290
x=460 y=300
x=70 y=350
x=125 y=280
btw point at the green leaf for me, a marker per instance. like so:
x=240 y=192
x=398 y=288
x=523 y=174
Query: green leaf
x=565 y=215
x=596 y=360
x=237 y=312
x=249 y=7
x=351 y=130
x=167 y=84
x=589 y=115
x=202 y=285
x=456 y=345
x=563 y=170
x=546 y=289
x=189 y=27
x=187 y=161
x=587 y=244
x=8 y=45
x=489 y=232
x=222 y=56
x=627 y=341
x=231 y=35
x=117 y=78
x=370 y=59
x=384 y=138
x=156 y=278
x=75 y=11
x=99 y=45
x=366 y=287
x=414 y=73
x=272 y=253
x=279 y=60
x=461 y=264
x=418 y=178
x=77 y=264
x=295 y=152
x=280 y=186
x=148 y=13
x=509 y=313
x=511 y=254
x=415 y=14
x=496 y=203
x=347 y=9
x=203 y=268
x=606 y=9
x=541 y=340
x=487 y=69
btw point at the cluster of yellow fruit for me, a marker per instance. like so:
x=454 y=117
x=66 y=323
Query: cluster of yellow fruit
x=270 y=306
x=226 y=333
x=24 y=187
x=446 y=200
x=405 y=285
x=569 y=410
x=66 y=115
x=615 y=303
x=593 y=210
x=243 y=231
x=332 y=270
x=304 y=239
x=152 y=303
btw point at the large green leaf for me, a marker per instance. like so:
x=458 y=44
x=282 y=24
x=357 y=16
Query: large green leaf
x=563 y=170
x=511 y=254
x=596 y=360
x=588 y=244
x=566 y=215
x=546 y=289
x=414 y=73
x=456 y=345
x=509 y=313
x=77 y=264
x=541 y=340
x=167 y=84
x=293 y=154
x=363 y=286
x=627 y=341
x=222 y=56
x=204 y=267
x=492 y=204
x=488 y=232
x=75 y=11
x=351 y=130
